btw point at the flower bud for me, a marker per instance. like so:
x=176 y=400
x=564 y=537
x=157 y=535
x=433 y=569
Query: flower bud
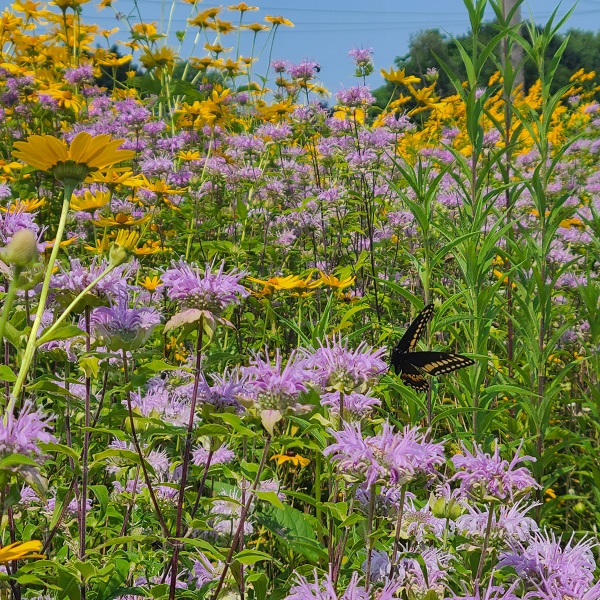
x=22 y=250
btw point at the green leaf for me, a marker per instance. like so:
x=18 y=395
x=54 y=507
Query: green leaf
x=6 y=374
x=17 y=460
x=62 y=333
x=271 y=498
x=156 y=366
x=250 y=557
x=118 y=576
x=241 y=208
x=294 y=529
x=101 y=493
x=51 y=447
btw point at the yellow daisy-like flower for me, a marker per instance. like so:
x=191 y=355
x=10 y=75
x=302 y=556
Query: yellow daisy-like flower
x=116 y=176
x=20 y=550
x=85 y=155
x=334 y=282
x=573 y=222
x=151 y=283
x=188 y=155
x=256 y=27
x=399 y=76
x=291 y=282
x=90 y=201
x=121 y=220
x=127 y=239
x=242 y=7
x=278 y=20
x=21 y=206
x=295 y=459
x=161 y=58
x=63 y=244
x=151 y=247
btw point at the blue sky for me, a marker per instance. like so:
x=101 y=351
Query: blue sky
x=325 y=30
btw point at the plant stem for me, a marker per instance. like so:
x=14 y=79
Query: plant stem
x=31 y=342
x=486 y=541
x=86 y=447
x=186 y=459
x=245 y=509
x=368 y=541
x=398 y=529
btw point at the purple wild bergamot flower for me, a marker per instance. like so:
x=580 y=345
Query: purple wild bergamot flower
x=21 y=434
x=337 y=368
x=274 y=387
x=205 y=294
x=124 y=328
x=508 y=523
x=484 y=477
x=392 y=458
x=545 y=565
x=326 y=590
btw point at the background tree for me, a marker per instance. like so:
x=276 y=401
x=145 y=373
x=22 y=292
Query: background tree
x=583 y=51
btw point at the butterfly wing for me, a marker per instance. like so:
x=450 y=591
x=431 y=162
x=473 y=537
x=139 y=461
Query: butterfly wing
x=411 y=377
x=413 y=333
x=437 y=363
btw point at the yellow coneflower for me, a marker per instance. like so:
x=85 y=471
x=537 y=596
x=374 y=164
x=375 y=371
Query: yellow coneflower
x=123 y=246
x=161 y=58
x=151 y=283
x=256 y=27
x=334 y=282
x=399 y=76
x=188 y=155
x=90 y=202
x=20 y=550
x=85 y=155
x=295 y=459
x=291 y=282
x=121 y=220
x=21 y=206
x=64 y=243
x=278 y=20
x=242 y=7
x=151 y=247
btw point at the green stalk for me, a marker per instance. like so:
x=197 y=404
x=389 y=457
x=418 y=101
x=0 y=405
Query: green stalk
x=69 y=187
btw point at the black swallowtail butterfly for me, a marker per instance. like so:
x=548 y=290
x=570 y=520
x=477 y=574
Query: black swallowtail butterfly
x=410 y=364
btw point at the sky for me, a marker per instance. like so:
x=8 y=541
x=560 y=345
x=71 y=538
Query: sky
x=325 y=30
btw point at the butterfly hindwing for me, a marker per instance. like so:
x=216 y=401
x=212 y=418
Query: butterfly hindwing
x=438 y=363
x=411 y=377
x=415 y=330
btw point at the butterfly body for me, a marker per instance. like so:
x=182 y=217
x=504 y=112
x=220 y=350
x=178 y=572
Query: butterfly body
x=411 y=365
